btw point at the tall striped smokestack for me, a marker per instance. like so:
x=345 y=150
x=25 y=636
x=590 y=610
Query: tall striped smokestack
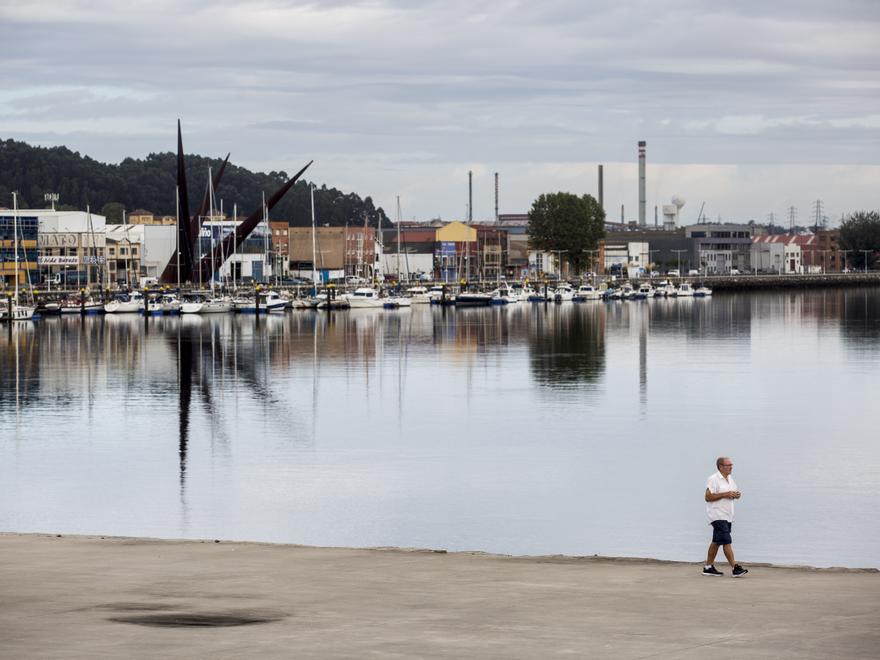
x=642 y=145
x=602 y=187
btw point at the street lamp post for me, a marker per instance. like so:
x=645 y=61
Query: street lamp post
x=844 y=259
x=866 y=252
x=678 y=255
x=559 y=262
x=651 y=258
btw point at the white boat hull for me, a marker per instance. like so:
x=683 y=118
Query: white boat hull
x=117 y=307
x=19 y=313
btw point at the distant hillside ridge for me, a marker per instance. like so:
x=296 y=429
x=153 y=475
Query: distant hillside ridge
x=150 y=184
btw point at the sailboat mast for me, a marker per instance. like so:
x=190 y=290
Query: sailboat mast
x=92 y=237
x=265 y=240
x=211 y=225
x=234 y=249
x=398 y=239
x=220 y=238
x=314 y=243
x=15 y=241
x=364 y=251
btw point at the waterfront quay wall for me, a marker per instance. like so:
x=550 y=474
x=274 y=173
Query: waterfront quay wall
x=752 y=282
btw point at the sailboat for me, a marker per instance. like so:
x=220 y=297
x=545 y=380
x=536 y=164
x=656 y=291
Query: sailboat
x=12 y=310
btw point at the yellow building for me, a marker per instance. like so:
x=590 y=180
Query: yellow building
x=456 y=232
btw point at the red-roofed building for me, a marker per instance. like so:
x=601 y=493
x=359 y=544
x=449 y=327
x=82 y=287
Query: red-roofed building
x=821 y=251
x=776 y=253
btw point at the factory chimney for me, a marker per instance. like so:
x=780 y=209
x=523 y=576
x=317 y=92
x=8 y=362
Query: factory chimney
x=642 y=145
x=601 y=187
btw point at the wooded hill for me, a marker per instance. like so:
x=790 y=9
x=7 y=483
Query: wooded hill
x=150 y=184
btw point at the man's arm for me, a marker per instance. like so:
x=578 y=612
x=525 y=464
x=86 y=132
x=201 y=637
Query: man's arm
x=727 y=495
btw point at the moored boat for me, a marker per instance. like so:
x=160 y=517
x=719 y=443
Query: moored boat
x=586 y=292
x=472 y=299
x=125 y=303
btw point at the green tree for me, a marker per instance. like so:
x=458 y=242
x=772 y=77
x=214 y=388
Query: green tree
x=563 y=221
x=861 y=231
x=113 y=212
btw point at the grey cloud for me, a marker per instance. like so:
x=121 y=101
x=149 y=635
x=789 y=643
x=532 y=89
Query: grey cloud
x=512 y=83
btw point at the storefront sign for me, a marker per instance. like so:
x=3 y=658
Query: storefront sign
x=57 y=261
x=57 y=240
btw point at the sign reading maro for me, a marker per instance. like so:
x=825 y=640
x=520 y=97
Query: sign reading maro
x=57 y=240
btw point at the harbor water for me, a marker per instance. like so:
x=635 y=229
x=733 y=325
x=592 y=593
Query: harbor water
x=574 y=429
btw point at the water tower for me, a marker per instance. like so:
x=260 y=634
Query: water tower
x=670 y=213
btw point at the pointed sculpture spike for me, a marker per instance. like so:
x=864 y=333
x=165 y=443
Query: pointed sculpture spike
x=210 y=263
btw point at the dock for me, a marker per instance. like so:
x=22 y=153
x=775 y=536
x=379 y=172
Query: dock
x=78 y=597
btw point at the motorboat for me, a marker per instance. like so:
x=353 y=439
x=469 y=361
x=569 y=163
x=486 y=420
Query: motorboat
x=439 y=295
x=644 y=292
x=627 y=291
x=125 y=303
x=534 y=296
x=564 y=293
x=503 y=295
x=364 y=298
x=49 y=308
x=702 y=292
x=170 y=304
x=78 y=306
x=269 y=301
x=333 y=303
x=396 y=302
x=472 y=299
x=586 y=292
x=419 y=295
x=685 y=290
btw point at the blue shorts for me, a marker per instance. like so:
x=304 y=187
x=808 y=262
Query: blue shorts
x=721 y=532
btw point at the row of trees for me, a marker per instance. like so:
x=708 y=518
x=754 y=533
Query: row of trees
x=150 y=184
x=860 y=232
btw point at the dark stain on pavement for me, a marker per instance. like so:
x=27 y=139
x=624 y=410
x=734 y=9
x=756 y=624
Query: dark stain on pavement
x=198 y=619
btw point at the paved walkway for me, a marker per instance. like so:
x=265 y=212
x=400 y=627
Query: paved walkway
x=78 y=597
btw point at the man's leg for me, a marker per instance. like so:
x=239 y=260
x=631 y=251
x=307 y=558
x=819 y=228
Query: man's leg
x=713 y=552
x=728 y=552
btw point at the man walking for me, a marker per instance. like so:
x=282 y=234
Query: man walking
x=720 y=493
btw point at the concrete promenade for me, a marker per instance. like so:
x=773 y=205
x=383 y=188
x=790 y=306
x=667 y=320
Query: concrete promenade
x=88 y=597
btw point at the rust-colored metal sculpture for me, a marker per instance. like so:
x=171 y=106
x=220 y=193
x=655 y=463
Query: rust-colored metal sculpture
x=189 y=226
x=210 y=263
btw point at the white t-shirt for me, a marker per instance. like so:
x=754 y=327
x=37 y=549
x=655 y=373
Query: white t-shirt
x=720 y=509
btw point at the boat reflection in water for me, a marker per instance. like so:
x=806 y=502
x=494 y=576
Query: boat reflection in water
x=510 y=428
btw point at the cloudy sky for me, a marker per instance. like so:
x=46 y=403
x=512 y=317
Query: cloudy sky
x=750 y=108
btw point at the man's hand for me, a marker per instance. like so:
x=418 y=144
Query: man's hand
x=734 y=495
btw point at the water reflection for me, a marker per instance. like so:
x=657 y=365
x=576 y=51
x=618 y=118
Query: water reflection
x=567 y=344
x=442 y=427
x=860 y=311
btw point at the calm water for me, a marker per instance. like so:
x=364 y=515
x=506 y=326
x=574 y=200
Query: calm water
x=574 y=429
